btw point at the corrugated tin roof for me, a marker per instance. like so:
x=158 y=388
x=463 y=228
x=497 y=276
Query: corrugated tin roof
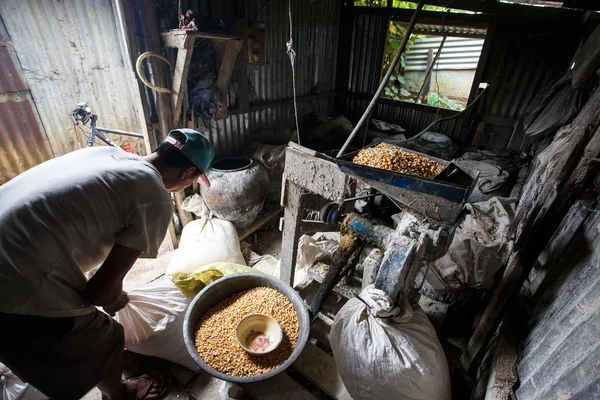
x=438 y=29
x=70 y=52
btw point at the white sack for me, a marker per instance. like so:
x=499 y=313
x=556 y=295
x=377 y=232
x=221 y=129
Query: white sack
x=206 y=241
x=479 y=247
x=385 y=353
x=13 y=388
x=153 y=322
x=195 y=204
x=310 y=251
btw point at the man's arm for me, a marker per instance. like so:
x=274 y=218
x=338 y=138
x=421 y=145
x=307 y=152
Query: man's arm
x=106 y=285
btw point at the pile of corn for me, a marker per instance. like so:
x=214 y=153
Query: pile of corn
x=389 y=157
x=216 y=340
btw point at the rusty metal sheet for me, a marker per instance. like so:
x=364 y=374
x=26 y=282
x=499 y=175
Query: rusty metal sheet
x=23 y=144
x=11 y=77
x=70 y=52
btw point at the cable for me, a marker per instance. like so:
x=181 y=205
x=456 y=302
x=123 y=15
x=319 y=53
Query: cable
x=442 y=119
x=292 y=54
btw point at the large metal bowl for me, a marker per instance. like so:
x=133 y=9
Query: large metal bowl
x=227 y=286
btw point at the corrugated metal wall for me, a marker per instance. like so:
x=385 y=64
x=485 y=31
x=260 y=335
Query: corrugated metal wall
x=366 y=57
x=525 y=55
x=315 y=39
x=561 y=355
x=457 y=54
x=23 y=141
x=70 y=51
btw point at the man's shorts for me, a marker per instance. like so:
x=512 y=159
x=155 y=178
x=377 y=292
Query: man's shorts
x=64 y=358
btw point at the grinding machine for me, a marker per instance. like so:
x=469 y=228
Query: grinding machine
x=423 y=228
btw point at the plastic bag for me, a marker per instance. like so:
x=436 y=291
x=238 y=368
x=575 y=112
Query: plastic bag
x=309 y=252
x=479 y=246
x=206 y=241
x=435 y=144
x=491 y=181
x=382 y=352
x=13 y=388
x=552 y=108
x=153 y=323
x=191 y=283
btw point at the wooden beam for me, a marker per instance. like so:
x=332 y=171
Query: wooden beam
x=279 y=387
x=232 y=49
x=292 y=203
x=182 y=67
x=127 y=35
x=427 y=17
x=260 y=222
x=277 y=103
x=320 y=368
x=179 y=38
x=441 y=112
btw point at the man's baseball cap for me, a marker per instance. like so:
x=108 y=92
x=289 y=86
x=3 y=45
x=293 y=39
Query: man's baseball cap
x=197 y=148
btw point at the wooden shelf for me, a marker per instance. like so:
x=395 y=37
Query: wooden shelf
x=178 y=38
x=227 y=48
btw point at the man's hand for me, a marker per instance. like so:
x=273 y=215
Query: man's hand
x=112 y=308
x=105 y=288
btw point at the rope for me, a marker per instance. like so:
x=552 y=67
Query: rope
x=292 y=54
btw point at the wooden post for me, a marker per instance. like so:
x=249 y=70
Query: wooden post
x=292 y=202
x=232 y=48
x=182 y=67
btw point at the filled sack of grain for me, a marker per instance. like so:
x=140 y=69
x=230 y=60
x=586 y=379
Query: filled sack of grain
x=206 y=241
x=388 y=352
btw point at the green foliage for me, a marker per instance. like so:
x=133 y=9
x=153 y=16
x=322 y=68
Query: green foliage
x=403 y=4
x=434 y=99
x=396 y=88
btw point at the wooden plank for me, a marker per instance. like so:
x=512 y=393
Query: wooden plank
x=514 y=277
x=244 y=97
x=554 y=254
x=585 y=170
x=320 y=368
x=182 y=67
x=292 y=201
x=320 y=329
x=261 y=221
x=232 y=49
x=279 y=387
x=178 y=39
x=185 y=216
x=127 y=36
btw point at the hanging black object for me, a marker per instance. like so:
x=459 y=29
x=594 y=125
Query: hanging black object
x=552 y=108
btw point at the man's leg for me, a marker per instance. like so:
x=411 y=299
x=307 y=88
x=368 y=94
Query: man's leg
x=145 y=386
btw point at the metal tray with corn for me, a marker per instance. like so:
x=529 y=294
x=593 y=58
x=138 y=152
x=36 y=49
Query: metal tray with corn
x=434 y=188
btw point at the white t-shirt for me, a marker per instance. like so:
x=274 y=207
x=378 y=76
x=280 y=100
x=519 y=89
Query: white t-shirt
x=61 y=218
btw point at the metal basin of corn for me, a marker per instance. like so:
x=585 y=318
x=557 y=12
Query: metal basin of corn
x=226 y=287
x=392 y=158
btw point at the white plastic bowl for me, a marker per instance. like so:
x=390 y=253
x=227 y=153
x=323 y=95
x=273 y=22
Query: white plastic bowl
x=259 y=334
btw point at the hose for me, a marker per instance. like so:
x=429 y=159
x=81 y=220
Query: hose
x=140 y=73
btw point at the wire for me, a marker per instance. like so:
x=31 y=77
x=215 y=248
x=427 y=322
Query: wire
x=443 y=119
x=292 y=54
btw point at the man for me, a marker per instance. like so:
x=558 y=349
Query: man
x=60 y=219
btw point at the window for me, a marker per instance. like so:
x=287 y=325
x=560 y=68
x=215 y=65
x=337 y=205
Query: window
x=420 y=77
